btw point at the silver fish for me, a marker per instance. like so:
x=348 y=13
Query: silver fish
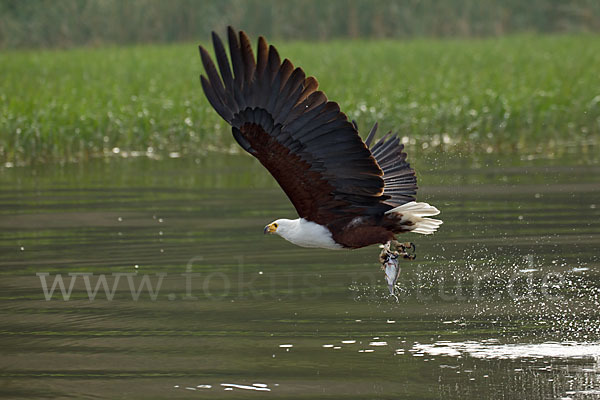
x=392 y=271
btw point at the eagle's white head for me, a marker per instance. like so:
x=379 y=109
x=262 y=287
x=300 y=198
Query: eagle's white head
x=281 y=227
x=303 y=233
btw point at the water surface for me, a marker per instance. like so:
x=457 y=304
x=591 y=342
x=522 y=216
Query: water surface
x=503 y=302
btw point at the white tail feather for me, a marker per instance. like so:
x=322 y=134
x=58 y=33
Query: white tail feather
x=415 y=213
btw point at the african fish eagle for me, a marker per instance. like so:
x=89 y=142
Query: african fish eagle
x=347 y=193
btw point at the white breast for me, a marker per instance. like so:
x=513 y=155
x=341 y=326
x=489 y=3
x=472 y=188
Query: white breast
x=309 y=234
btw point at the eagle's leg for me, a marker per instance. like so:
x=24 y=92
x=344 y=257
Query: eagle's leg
x=385 y=252
x=403 y=248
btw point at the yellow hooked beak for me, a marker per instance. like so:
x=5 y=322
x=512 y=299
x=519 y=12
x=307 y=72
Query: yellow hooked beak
x=271 y=228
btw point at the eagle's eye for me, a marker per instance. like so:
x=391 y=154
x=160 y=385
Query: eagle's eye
x=275 y=225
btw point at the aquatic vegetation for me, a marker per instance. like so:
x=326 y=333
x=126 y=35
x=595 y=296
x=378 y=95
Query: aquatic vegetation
x=522 y=93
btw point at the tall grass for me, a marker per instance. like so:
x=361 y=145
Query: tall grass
x=520 y=93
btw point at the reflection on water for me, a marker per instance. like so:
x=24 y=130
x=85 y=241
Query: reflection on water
x=142 y=278
x=492 y=348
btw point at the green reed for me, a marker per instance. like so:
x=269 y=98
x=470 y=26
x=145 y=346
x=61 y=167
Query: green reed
x=529 y=94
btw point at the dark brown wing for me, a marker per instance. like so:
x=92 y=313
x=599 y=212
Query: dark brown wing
x=400 y=179
x=306 y=143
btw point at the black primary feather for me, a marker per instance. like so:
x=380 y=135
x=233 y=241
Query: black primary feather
x=400 y=179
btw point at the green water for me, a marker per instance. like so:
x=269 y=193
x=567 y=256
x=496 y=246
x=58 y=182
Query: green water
x=503 y=302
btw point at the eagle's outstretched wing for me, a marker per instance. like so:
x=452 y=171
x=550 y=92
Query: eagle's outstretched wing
x=308 y=145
